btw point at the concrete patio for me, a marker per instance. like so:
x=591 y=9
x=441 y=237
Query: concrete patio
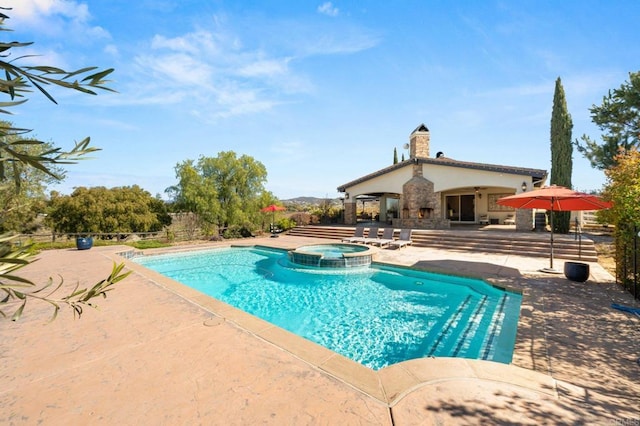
x=156 y=352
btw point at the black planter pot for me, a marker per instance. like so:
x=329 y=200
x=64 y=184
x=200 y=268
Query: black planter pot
x=576 y=271
x=84 y=243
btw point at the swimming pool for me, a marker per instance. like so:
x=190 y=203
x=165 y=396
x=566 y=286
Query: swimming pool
x=377 y=316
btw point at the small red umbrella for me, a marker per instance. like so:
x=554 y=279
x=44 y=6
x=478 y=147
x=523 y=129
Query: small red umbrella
x=273 y=209
x=555 y=198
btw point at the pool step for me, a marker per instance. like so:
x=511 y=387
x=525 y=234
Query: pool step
x=458 y=337
x=494 y=331
x=507 y=242
x=471 y=328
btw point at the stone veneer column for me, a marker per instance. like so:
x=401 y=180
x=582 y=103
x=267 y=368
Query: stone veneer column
x=524 y=220
x=419 y=143
x=350 y=213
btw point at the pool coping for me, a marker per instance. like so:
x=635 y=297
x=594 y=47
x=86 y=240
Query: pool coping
x=388 y=385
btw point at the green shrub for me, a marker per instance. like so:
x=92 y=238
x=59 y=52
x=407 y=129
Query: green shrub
x=286 y=224
x=243 y=231
x=148 y=244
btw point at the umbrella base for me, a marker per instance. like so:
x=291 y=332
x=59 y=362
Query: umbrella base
x=551 y=271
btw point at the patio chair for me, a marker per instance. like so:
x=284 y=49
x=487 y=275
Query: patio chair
x=483 y=219
x=372 y=235
x=387 y=237
x=404 y=240
x=358 y=236
x=510 y=220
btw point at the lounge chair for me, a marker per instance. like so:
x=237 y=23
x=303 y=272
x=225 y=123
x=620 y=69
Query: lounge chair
x=404 y=240
x=510 y=220
x=358 y=236
x=372 y=235
x=483 y=219
x=387 y=237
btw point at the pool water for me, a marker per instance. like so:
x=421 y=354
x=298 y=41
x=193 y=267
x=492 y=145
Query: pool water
x=377 y=316
x=334 y=250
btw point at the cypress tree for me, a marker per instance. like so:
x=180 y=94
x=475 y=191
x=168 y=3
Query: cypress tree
x=395 y=156
x=561 y=152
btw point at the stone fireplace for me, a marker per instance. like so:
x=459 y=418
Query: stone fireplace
x=420 y=203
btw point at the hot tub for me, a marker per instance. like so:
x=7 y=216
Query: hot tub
x=332 y=255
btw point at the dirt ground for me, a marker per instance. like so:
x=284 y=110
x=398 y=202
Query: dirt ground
x=606 y=252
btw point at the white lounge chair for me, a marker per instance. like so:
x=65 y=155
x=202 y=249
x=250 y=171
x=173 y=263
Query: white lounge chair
x=372 y=235
x=358 y=236
x=483 y=219
x=387 y=237
x=510 y=220
x=404 y=240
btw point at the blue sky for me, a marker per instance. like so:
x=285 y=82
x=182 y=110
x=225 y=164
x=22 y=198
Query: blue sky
x=320 y=92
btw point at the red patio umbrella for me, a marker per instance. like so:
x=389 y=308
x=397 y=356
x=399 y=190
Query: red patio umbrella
x=555 y=198
x=273 y=209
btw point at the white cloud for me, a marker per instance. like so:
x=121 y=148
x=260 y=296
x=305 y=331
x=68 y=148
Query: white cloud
x=112 y=50
x=340 y=39
x=177 y=68
x=327 y=8
x=192 y=43
x=67 y=17
x=35 y=10
x=215 y=73
x=270 y=67
x=593 y=84
x=222 y=75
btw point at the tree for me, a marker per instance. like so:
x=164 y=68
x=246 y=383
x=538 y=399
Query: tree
x=101 y=210
x=224 y=191
x=561 y=152
x=623 y=188
x=23 y=195
x=15 y=83
x=395 y=156
x=618 y=117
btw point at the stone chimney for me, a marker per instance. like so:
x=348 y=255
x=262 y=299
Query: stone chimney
x=419 y=142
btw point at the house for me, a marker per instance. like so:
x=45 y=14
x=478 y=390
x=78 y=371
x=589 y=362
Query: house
x=432 y=192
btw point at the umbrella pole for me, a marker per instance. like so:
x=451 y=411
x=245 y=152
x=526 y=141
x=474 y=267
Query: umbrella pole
x=551 y=222
x=273 y=221
x=550 y=269
x=579 y=234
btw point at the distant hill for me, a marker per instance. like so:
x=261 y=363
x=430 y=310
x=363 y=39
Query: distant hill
x=308 y=200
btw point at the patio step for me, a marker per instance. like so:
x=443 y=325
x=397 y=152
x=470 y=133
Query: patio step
x=507 y=242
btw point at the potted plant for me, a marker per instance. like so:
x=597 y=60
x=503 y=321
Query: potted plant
x=84 y=243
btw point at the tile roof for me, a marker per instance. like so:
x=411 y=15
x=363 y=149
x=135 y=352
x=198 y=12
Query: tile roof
x=536 y=174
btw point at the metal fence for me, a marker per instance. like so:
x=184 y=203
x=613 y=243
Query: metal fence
x=627 y=258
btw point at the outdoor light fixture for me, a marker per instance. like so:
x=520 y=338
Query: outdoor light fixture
x=346 y=195
x=524 y=186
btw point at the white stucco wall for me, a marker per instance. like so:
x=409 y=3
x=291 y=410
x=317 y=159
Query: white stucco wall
x=388 y=183
x=444 y=178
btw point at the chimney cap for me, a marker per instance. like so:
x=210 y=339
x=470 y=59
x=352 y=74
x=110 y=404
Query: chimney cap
x=420 y=128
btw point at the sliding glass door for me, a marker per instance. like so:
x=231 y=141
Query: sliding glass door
x=460 y=208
